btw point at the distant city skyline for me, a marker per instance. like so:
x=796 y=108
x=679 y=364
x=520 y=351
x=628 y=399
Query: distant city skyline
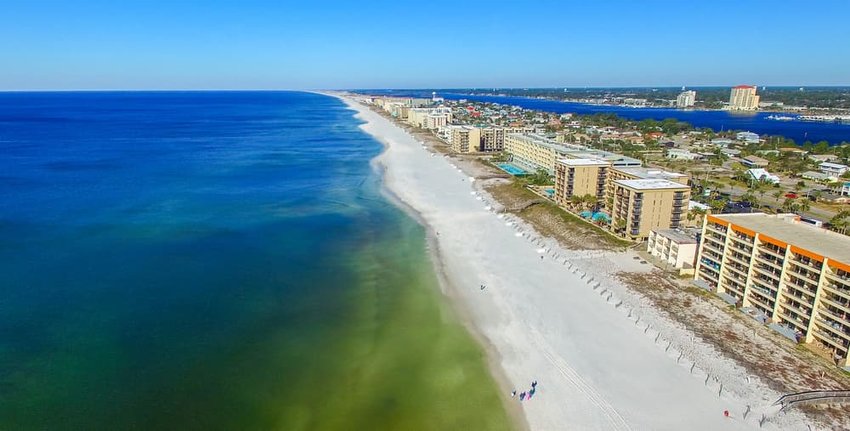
x=162 y=45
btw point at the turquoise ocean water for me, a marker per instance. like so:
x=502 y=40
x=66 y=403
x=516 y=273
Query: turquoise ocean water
x=216 y=261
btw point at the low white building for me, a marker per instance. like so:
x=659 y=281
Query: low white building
x=818 y=176
x=834 y=169
x=762 y=175
x=845 y=189
x=674 y=247
x=680 y=154
x=748 y=137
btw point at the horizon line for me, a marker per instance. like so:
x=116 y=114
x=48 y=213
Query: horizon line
x=589 y=87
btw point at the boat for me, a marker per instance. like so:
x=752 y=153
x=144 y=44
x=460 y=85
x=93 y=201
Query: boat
x=782 y=118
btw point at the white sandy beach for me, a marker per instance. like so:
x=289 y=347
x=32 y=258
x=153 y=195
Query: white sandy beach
x=603 y=358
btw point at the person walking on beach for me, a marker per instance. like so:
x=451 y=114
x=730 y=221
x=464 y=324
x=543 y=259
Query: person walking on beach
x=513 y=393
x=534 y=384
x=522 y=396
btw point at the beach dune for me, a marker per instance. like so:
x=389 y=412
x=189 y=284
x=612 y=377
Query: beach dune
x=603 y=360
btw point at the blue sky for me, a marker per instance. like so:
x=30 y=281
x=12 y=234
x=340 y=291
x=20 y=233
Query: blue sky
x=419 y=44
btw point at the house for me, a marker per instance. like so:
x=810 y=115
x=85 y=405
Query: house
x=680 y=154
x=794 y=150
x=845 y=189
x=731 y=152
x=818 y=176
x=721 y=142
x=754 y=162
x=833 y=198
x=835 y=169
x=748 y=137
x=823 y=157
x=759 y=174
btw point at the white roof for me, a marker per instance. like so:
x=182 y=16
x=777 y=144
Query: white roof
x=584 y=162
x=650 y=184
x=650 y=173
x=785 y=227
x=833 y=165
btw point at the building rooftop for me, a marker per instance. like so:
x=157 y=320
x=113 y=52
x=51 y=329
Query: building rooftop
x=678 y=235
x=651 y=184
x=644 y=173
x=576 y=151
x=584 y=162
x=788 y=228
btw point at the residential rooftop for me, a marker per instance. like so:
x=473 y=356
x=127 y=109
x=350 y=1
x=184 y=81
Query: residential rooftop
x=651 y=184
x=789 y=229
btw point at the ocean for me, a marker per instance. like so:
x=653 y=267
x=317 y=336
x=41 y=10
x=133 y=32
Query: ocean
x=217 y=261
x=799 y=131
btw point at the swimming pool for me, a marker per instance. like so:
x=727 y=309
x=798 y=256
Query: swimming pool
x=511 y=169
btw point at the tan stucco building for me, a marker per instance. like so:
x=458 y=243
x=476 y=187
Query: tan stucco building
x=580 y=177
x=791 y=274
x=744 y=98
x=642 y=205
x=465 y=139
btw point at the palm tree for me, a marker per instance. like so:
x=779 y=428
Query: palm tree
x=777 y=194
x=696 y=214
x=840 y=222
x=589 y=201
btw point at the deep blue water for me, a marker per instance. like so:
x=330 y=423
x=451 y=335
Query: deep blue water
x=799 y=131
x=204 y=260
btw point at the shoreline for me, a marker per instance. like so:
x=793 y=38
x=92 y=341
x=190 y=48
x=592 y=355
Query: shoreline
x=447 y=289
x=584 y=392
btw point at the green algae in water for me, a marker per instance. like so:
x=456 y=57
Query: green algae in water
x=218 y=261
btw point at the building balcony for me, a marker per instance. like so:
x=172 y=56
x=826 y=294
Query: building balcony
x=788 y=317
x=836 y=302
x=837 y=316
x=800 y=311
x=811 y=265
x=765 y=285
x=773 y=252
x=767 y=274
x=836 y=289
x=833 y=327
x=770 y=260
x=829 y=337
x=761 y=300
x=739 y=258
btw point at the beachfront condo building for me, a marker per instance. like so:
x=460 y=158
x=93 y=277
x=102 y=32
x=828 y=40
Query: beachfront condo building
x=639 y=206
x=493 y=138
x=676 y=248
x=464 y=139
x=686 y=99
x=579 y=178
x=744 y=98
x=535 y=152
x=785 y=273
x=640 y=173
x=419 y=117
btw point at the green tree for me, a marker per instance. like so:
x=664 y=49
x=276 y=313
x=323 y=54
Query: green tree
x=840 y=222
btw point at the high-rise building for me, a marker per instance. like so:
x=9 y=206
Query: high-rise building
x=686 y=99
x=789 y=274
x=493 y=138
x=744 y=98
x=639 y=206
x=537 y=152
x=464 y=139
x=580 y=177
